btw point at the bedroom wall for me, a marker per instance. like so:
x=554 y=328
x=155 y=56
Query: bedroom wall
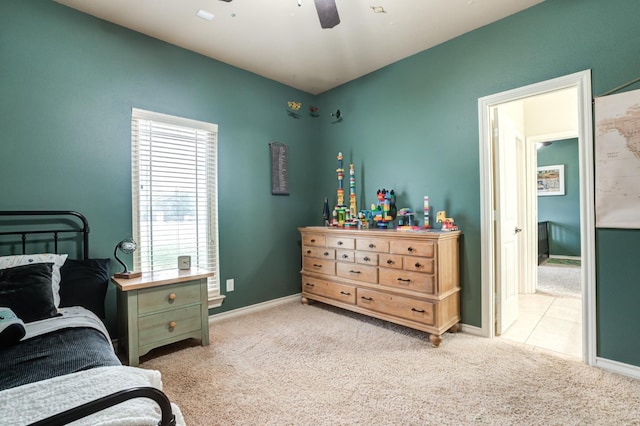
x=68 y=82
x=413 y=126
x=562 y=211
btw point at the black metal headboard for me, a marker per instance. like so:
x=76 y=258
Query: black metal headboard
x=47 y=222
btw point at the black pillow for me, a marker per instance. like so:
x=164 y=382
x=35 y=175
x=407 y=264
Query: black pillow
x=27 y=291
x=84 y=283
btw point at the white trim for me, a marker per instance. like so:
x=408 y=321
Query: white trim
x=562 y=256
x=471 y=329
x=618 y=367
x=253 y=308
x=581 y=80
x=215 y=300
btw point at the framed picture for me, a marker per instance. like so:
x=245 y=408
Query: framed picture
x=551 y=180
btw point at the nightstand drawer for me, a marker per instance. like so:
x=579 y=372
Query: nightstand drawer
x=165 y=325
x=168 y=297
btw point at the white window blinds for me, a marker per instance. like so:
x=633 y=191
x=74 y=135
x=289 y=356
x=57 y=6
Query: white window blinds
x=174 y=188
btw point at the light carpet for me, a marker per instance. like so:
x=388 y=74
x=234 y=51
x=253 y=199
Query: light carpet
x=559 y=280
x=317 y=365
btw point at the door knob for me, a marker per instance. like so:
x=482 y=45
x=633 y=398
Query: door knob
x=518 y=230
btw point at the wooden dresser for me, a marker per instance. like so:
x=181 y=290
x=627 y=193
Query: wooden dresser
x=407 y=277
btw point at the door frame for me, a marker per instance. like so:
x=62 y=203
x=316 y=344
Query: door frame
x=582 y=81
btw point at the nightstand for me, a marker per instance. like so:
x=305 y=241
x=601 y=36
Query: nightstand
x=161 y=307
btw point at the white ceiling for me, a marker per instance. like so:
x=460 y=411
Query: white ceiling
x=282 y=41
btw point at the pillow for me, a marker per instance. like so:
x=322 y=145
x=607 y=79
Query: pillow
x=25 y=259
x=84 y=283
x=26 y=290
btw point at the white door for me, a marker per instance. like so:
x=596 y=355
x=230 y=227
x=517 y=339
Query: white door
x=507 y=227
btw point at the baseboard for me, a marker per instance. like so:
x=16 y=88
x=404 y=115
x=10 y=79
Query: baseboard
x=618 y=367
x=560 y=256
x=471 y=329
x=253 y=308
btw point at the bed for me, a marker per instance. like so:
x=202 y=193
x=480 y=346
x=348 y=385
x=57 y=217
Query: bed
x=543 y=241
x=57 y=361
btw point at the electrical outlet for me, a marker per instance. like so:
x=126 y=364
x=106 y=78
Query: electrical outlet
x=230 y=285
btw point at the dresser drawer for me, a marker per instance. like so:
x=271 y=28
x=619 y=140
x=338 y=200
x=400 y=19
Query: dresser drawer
x=419 y=264
x=413 y=248
x=403 y=307
x=168 y=297
x=320 y=265
x=408 y=280
x=358 y=272
x=372 y=244
x=391 y=261
x=155 y=328
x=313 y=240
x=367 y=258
x=319 y=252
x=345 y=256
x=341 y=292
x=341 y=243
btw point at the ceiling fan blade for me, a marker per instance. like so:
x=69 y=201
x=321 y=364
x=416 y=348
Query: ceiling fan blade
x=327 y=13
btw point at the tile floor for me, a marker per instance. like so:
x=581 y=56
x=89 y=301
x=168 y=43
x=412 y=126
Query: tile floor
x=550 y=323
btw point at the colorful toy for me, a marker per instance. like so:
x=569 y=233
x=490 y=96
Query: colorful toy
x=352 y=192
x=426 y=224
x=385 y=211
x=406 y=221
x=447 y=222
x=295 y=106
x=343 y=216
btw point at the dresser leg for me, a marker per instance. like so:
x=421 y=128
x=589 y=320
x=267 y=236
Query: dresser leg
x=435 y=339
x=454 y=328
x=304 y=300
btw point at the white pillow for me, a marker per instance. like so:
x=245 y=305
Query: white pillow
x=26 y=259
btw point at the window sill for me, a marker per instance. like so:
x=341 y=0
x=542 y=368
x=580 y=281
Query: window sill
x=216 y=300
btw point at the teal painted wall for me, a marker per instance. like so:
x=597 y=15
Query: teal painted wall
x=562 y=211
x=68 y=82
x=413 y=126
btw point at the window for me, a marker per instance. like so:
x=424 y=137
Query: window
x=174 y=188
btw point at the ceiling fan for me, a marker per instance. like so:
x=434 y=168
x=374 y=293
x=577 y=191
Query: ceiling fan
x=327 y=13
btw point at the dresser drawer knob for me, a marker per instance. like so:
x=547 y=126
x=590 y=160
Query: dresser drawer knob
x=345 y=256
x=366 y=259
x=368 y=299
x=340 y=243
x=371 y=245
x=172 y=325
x=404 y=280
x=418 y=310
x=354 y=272
x=326 y=253
x=346 y=293
x=172 y=297
x=390 y=262
x=313 y=240
x=309 y=284
x=418 y=265
x=315 y=265
x=308 y=251
x=410 y=249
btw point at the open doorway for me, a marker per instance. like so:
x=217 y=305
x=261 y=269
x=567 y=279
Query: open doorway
x=509 y=259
